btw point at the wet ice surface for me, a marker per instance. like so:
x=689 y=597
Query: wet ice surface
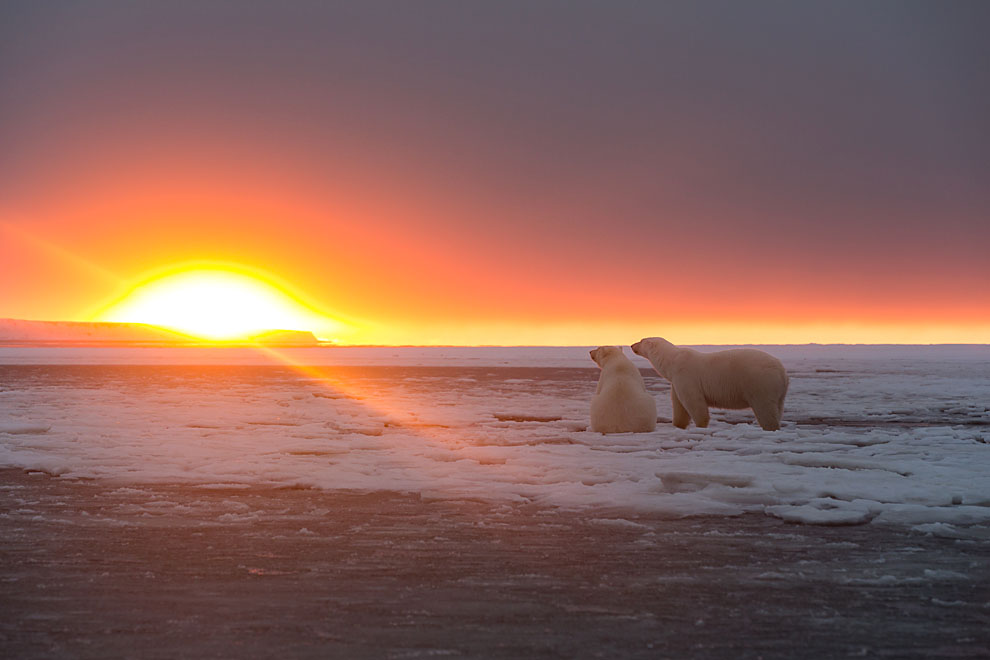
x=889 y=438
x=92 y=570
x=453 y=504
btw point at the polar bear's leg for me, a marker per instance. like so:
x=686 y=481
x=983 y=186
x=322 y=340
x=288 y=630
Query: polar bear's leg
x=681 y=416
x=695 y=404
x=767 y=414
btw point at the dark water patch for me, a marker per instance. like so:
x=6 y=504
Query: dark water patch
x=891 y=422
x=272 y=422
x=512 y=417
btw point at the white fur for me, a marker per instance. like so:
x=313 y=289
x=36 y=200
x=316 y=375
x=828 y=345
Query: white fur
x=738 y=378
x=621 y=404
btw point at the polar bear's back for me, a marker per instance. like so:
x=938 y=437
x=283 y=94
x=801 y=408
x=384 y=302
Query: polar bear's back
x=622 y=404
x=621 y=409
x=736 y=378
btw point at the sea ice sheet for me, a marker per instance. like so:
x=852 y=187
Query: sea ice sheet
x=866 y=438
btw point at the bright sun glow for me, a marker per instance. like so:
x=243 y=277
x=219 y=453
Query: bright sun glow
x=214 y=304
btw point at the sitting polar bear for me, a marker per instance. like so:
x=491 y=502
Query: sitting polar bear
x=621 y=404
x=739 y=378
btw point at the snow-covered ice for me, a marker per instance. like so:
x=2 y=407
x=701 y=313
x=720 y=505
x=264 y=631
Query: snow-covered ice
x=882 y=435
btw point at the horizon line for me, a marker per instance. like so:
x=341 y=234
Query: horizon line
x=96 y=343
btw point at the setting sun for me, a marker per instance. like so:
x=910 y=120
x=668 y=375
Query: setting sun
x=215 y=304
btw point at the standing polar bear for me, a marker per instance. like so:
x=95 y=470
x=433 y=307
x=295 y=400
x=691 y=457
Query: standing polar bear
x=621 y=404
x=738 y=378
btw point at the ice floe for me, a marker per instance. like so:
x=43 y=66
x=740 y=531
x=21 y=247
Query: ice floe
x=895 y=438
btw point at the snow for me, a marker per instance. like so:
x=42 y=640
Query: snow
x=871 y=435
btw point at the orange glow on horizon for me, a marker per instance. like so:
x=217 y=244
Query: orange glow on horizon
x=406 y=287
x=695 y=332
x=446 y=303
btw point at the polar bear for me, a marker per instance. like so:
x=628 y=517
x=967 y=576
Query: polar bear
x=738 y=378
x=621 y=404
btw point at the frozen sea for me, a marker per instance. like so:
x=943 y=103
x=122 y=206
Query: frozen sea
x=879 y=435
x=246 y=479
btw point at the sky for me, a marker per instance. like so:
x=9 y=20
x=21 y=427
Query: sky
x=510 y=172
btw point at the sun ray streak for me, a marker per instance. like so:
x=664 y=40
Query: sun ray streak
x=372 y=399
x=63 y=255
x=376 y=403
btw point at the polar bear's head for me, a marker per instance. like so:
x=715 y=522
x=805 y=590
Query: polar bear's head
x=603 y=354
x=654 y=349
x=651 y=344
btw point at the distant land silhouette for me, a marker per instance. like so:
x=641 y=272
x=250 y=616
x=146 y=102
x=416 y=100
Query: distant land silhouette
x=19 y=332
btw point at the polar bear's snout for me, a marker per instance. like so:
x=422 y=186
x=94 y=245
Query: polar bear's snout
x=635 y=347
